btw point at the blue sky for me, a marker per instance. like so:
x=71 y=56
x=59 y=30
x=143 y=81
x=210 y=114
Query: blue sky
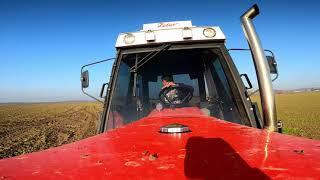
x=43 y=44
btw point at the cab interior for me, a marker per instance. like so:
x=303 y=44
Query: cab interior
x=202 y=69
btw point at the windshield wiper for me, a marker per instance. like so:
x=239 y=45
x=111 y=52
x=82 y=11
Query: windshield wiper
x=143 y=61
x=148 y=57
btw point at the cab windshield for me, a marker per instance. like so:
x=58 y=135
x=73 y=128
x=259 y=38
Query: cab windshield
x=138 y=88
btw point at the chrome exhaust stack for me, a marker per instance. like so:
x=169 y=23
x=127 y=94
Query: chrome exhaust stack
x=262 y=69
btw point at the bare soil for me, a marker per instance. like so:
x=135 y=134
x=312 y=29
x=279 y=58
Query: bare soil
x=27 y=128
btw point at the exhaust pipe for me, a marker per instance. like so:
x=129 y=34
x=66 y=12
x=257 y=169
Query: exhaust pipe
x=262 y=69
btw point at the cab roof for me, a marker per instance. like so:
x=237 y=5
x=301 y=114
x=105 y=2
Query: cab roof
x=166 y=32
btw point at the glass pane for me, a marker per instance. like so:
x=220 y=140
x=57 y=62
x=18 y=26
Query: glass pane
x=225 y=97
x=120 y=112
x=197 y=83
x=245 y=65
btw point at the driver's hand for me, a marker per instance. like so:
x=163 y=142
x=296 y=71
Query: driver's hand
x=168 y=85
x=159 y=106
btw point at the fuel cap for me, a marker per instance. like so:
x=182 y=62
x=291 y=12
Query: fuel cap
x=174 y=128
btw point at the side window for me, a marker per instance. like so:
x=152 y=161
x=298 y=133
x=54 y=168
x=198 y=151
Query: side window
x=154 y=89
x=224 y=98
x=122 y=86
x=185 y=79
x=119 y=112
x=245 y=65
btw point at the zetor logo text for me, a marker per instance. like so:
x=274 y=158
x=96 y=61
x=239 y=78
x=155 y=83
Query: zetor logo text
x=167 y=24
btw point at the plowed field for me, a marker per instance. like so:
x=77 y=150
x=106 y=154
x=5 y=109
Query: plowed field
x=31 y=127
x=26 y=128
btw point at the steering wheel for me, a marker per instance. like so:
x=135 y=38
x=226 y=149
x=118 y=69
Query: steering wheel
x=180 y=95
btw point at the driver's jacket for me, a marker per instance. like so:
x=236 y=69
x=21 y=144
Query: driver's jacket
x=178 y=96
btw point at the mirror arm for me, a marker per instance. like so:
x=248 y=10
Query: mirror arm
x=91 y=96
x=275 y=78
x=255 y=91
x=82 y=89
x=272 y=54
x=246 y=49
x=96 y=63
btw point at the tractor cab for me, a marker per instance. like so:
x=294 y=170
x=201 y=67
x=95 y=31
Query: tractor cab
x=203 y=78
x=173 y=109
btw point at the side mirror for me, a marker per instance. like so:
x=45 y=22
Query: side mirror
x=85 y=79
x=272 y=65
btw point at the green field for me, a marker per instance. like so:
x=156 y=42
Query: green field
x=300 y=113
x=27 y=128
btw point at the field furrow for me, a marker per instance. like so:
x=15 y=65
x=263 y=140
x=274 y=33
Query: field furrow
x=27 y=128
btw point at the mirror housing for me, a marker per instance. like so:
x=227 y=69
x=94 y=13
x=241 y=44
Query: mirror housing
x=85 y=79
x=272 y=64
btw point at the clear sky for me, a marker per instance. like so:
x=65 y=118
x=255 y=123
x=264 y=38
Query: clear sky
x=43 y=44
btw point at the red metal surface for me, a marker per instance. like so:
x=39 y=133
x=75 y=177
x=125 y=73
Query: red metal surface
x=214 y=149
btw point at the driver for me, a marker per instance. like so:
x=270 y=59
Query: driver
x=177 y=94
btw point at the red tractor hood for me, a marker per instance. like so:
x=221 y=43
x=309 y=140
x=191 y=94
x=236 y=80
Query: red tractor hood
x=214 y=149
